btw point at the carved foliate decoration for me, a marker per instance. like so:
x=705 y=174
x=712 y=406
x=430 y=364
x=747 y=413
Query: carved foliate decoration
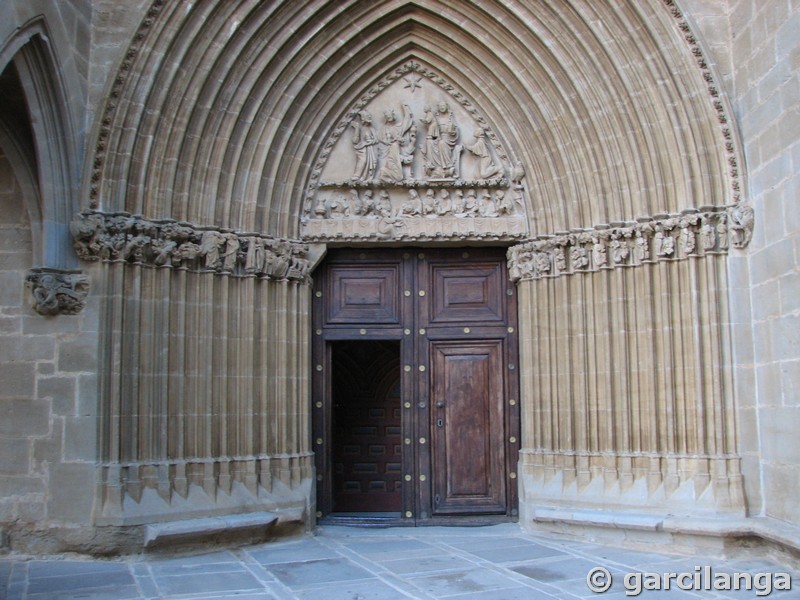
x=414 y=160
x=57 y=292
x=122 y=237
x=692 y=233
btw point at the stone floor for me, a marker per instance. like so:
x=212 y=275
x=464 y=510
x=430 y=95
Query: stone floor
x=341 y=563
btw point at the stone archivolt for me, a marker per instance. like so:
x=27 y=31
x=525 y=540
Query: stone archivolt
x=662 y=238
x=122 y=237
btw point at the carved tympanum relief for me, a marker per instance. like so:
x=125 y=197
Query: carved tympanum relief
x=414 y=160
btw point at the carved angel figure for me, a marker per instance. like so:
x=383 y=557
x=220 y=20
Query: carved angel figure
x=481 y=149
x=365 y=141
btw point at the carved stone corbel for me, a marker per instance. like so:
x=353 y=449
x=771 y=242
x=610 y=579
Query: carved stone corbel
x=741 y=220
x=57 y=292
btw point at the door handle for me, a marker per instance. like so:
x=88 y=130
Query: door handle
x=440 y=404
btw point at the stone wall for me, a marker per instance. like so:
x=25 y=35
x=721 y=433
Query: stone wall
x=48 y=369
x=765 y=49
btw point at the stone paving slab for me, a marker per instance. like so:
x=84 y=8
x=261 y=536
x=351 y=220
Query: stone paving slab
x=346 y=563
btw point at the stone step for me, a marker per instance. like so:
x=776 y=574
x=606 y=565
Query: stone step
x=196 y=530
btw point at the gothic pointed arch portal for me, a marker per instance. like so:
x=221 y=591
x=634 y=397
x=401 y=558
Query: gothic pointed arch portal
x=242 y=139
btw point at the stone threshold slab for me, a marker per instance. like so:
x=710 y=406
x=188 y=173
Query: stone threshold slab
x=770 y=530
x=159 y=534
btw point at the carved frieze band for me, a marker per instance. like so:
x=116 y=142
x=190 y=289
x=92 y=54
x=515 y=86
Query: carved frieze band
x=57 y=292
x=710 y=230
x=474 y=210
x=720 y=105
x=122 y=237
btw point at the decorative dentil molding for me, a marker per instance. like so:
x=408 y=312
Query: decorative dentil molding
x=104 y=134
x=693 y=233
x=122 y=237
x=57 y=291
x=719 y=104
x=433 y=170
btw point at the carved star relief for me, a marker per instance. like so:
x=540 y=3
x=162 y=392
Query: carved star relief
x=412 y=83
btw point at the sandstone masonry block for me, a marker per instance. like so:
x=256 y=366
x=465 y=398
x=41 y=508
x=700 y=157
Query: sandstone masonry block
x=37 y=324
x=18 y=380
x=21 y=485
x=71 y=492
x=79 y=438
x=16 y=348
x=16 y=456
x=23 y=418
x=11 y=287
x=61 y=390
x=790 y=383
x=78 y=355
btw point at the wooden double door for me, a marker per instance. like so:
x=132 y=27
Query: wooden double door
x=415 y=413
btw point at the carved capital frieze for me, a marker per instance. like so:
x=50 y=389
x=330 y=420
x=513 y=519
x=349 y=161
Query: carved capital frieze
x=692 y=233
x=122 y=237
x=57 y=292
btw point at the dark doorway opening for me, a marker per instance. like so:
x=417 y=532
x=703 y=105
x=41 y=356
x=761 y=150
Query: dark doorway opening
x=367 y=467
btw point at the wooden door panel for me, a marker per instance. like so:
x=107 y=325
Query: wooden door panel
x=467 y=294
x=450 y=314
x=363 y=295
x=467 y=427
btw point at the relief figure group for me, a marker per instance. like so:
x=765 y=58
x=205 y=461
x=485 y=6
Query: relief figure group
x=387 y=156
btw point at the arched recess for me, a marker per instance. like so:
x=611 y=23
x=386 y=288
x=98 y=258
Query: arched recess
x=218 y=118
x=220 y=123
x=41 y=139
x=17 y=144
